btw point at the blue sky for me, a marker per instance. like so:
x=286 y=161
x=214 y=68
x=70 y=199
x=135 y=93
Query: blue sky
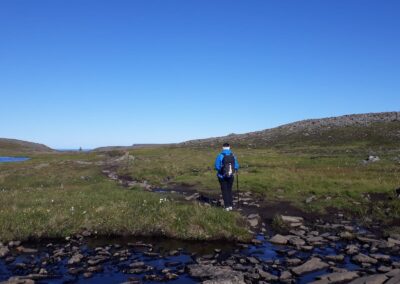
x=92 y=73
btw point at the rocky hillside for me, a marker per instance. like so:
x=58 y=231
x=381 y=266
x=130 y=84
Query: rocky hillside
x=19 y=146
x=370 y=129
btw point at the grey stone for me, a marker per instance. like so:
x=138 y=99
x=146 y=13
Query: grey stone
x=362 y=258
x=218 y=274
x=4 y=251
x=267 y=276
x=311 y=265
x=279 y=239
x=285 y=275
x=75 y=259
x=373 y=279
x=339 y=277
x=337 y=257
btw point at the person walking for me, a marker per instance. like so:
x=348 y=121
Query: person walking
x=226 y=164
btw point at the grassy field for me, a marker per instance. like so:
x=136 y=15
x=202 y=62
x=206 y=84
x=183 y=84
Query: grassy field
x=336 y=176
x=56 y=195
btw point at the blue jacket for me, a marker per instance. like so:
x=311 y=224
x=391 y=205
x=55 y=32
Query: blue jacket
x=218 y=162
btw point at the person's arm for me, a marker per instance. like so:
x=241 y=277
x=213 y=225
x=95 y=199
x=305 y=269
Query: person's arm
x=236 y=164
x=217 y=165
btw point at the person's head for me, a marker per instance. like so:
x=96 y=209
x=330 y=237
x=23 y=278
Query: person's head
x=226 y=146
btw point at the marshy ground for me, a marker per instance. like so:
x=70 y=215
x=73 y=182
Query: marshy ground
x=349 y=207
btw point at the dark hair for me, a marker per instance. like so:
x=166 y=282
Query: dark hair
x=226 y=145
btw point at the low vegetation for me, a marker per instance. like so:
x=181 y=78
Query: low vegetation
x=62 y=194
x=312 y=178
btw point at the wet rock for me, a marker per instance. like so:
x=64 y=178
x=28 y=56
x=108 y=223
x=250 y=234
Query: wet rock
x=306 y=248
x=285 y=275
x=346 y=235
x=384 y=269
x=12 y=244
x=337 y=277
x=4 y=251
x=174 y=253
x=22 y=249
x=336 y=258
x=75 y=259
x=267 y=276
x=254 y=220
x=75 y=270
x=373 y=279
x=362 y=258
x=352 y=249
x=279 y=239
x=311 y=265
x=97 y=268
x=193 y=196
x=296 y=241
x=252 y=260
x=381 y=257
x=394 y=280
x=293 y=261
x=88 y=274
x=291 y=219
x=18 y=280
x=218 y=274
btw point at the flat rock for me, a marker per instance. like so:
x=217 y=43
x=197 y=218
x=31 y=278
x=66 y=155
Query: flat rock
x=362 y=258
x=292 y=219
x=267 y=276
x=372 y=279
x=339 y=277
x=218 y=274
x=279 y=239
x=394 y=280
x=26 y=250
x=313 y=264
x=336 y=257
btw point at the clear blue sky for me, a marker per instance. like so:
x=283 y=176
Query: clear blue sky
x=92 y=73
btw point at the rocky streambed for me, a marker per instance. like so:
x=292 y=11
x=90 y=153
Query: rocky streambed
x=317 y=253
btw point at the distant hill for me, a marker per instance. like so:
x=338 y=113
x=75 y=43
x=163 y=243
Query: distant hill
x=370 y=129
x=124 y=148
x=19 y=146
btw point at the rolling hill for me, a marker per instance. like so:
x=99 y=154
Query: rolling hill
x=370 y=129
x=19 y=146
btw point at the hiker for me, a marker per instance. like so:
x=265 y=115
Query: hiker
x=226 y=165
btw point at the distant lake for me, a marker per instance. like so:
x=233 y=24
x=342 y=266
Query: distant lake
x=12 y=159
x=73 y=150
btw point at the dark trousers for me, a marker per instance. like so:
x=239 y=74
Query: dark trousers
x=226 y=189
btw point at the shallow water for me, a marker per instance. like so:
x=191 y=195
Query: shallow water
x=13 y=159
x=188 y=252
